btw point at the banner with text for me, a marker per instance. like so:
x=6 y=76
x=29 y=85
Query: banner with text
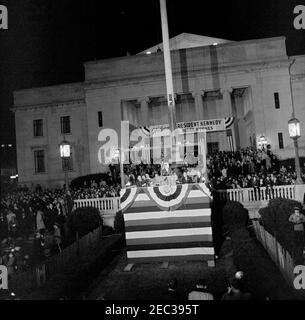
x=196 y=126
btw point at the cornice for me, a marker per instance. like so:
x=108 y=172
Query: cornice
x=77 y=102
x=158 y=75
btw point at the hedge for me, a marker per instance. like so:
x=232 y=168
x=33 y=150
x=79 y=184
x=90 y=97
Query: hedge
x=84 y=220
x=275 y=219
x=235 y=216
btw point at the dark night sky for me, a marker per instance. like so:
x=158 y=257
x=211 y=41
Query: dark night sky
x=48 y=40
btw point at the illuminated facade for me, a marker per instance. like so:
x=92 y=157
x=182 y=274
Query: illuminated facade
x=247 y=80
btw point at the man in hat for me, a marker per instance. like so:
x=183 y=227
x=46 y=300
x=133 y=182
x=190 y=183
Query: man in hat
x=298 y=219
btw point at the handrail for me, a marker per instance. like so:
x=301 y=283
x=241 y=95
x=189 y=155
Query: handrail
x=103 y=204
x=244 y=195
x=247 y=195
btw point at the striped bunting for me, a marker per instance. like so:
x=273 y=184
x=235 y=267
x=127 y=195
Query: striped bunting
x=127 y=196
x=168 y=224
x=229 y=121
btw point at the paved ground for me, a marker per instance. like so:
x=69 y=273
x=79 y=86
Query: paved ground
x=149 y=281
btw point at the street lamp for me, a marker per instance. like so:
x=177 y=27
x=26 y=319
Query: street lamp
x=65 y=153
x=295 y=133
x=119 y=156
x=262 y=142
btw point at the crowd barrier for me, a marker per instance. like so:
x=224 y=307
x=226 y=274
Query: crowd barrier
x=278 y=254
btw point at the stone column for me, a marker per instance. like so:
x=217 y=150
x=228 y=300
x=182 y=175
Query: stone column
x=198 y=96
x=144 y=110
x=227 y=103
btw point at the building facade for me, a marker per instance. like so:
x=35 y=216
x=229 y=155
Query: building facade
x=247 y=80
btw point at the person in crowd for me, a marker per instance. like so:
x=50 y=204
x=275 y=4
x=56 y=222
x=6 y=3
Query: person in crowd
x=40 y=226
x=11 y=264
x=200 y=292
x=25 y=263
x=297 y=219
x=172 y=293
x=57 y=237
x=235 y=292
x=12 y=224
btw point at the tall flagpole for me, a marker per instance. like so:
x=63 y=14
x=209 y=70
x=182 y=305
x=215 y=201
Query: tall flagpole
x=168 y=67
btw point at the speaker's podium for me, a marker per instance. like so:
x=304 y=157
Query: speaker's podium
x=171 y=222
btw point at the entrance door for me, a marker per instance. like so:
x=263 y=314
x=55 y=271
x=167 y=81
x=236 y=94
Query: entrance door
x=213 y=147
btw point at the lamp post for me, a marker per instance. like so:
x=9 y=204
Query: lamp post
x=262 y=142
x=118 y=154
x=294 y=131
x=294 y=134
x=65 y=153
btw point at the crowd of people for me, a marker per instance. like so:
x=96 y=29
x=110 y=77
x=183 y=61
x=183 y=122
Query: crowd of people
x=145 y=175
x=96 y=190
x=39 y=214
x=43 y=213
x=248 y=168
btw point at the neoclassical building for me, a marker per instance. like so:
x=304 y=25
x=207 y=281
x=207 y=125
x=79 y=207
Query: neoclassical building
x=213 y=79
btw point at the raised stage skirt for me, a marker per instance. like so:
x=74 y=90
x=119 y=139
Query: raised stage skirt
x=168 y=223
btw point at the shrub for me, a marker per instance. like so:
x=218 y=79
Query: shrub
x=84 y=220
x=235 y=216
x=119 y=225
x=275 y=220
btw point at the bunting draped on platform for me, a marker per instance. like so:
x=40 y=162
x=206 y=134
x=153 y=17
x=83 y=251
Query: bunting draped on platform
x=168 y=223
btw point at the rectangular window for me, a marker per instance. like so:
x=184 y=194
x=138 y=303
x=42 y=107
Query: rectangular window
x=67 y=163
x=38 y=128
x=39 y=161
x=65 y=125
x=276 y=100
x=100 y=119
x=281 y=142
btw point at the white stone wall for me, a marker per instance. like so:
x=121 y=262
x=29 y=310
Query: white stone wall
x=33 y=104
